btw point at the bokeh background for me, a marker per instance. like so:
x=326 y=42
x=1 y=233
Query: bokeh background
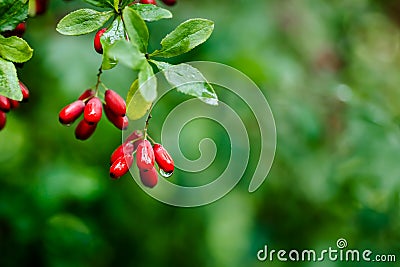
x=330 y=71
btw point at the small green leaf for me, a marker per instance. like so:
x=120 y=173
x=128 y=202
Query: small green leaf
x=127 y=53
x=101 y=3
x=116 y=5
x=147 y=82
x=188 y=80
x=150 y=12
x=15 y=49
x=12 y=12
x=136 y=28
x=185 y=37
x=9 y=86
x=83 y=21
x=112 y=35
x=137 y=106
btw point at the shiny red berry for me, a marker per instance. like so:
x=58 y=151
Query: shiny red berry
x=124 y=149
x=115 y=102
x=169 y=2
x=163 y=159
x=136 y=137
x=121 y=122
x=86 y=95
x=84 y=130
x=144 y=155
x=93 y=111
x=149 y=178
x=13 y=103
x=96 y=42
x=153 y=2
x=5 y=104
x=3 y=120
x=71 y=112
x=121 y=166
x=25 y=92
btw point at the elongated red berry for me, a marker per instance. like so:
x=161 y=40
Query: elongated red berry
x=24 y=91
x=41 y=6
x=144 y=155
x=124 y=149
x=136 y=137
x=4 y=104
x=96 y=42
x=121 y=166
x=13 y=103
x=93 y=111
x=169 y=2
x=149 y=178
x=115 y=102
x=71 y=112
x=86 y=95
x=3 y=120
x=121 y=122
x=163 y=159
x=153 y=2
x=84 y=130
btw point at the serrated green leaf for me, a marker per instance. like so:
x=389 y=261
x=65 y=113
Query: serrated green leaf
x=150 y=12
x=185 y=37
x=15 y=49
x=136 y=28
x=188 y=80
x=101 y=3
x=137 y=106
x=12 y=12
x=83 y=21
x=147 y=82
x=127 y=53
x=114 y=33
x=9 y=86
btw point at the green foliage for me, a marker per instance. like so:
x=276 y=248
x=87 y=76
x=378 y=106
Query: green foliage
x=151 y=12
x=15 y=49
x=9 y=86
x=137 y=106
x=136 y=28
x=114 y=33
x=12 y=12
x=102 y=3
x=147 y=82
x=127 y=53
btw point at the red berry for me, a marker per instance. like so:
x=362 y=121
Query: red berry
x=25 y=92
x=96 y=42
x=149 y=177
x=169 y=2
x=85 y=96
x=136 y=137
x=93 y=111
x=13 y=103
x=84 y=130
x=3 y=120
x=153 y=2
x=41 y=6
x=121 y=122
x=124 y=149
x=115 y=102
x=71 y=112
x=163 y=159
x=144 y=155
x=4 y=104
x=121 y=166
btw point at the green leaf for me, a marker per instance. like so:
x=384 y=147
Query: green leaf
x=127 y=53
x=116 y=5
x=150 y=12
x=83 y=21
x=112 y=35
x=136 y=28
x=15 y=49
x=147 y=82
x=12 y=12
x=137 y=106
x=185 y=37
x=188 y=80
x=9 y=86
x=101 y=3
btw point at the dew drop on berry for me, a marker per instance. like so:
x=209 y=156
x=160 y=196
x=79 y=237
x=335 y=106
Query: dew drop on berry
x=165 y=174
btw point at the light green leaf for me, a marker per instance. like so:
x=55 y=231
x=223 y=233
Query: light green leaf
x=127 y=53
x=136 y=28
x=147 y=82
x=12 y=12
x=116 y=5
x=9 y=86
x=185 y=37
x=188 y=80
x=112 y=35
x=15 y=49
x=83 y=21
x=150 y=12
x=137 y=106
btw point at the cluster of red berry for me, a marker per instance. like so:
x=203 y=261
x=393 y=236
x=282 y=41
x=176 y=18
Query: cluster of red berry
x=146 y=154
x=92 y=108
x=7 y=104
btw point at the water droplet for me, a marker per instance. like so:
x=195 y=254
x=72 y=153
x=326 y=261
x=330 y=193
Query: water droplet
x=165 y=174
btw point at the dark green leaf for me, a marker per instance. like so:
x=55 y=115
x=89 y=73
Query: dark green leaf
x=150 y=12
x=136 y=28
x=101 y=3
x=9 y=85
x=147 y=82
x=137 y=106
x=185 y=37
x=188 y=80
x=83 y=21
x=15 y=49
x=112 y=35
x=127 y=53
x=12 y=12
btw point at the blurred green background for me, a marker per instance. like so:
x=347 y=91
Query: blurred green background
x=331 y=73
